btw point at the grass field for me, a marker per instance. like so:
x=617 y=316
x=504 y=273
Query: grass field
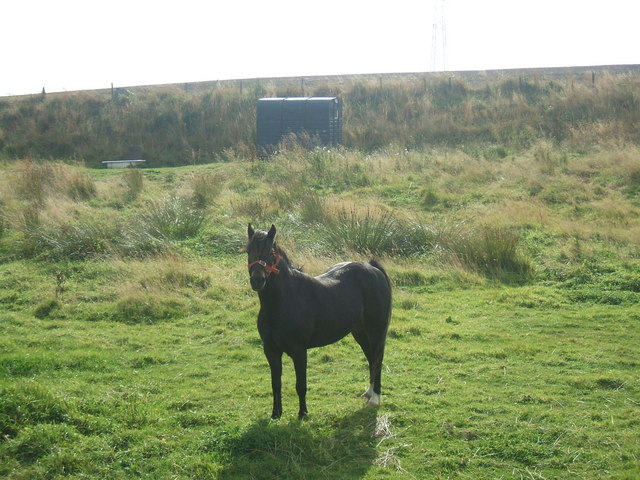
x=129 y=347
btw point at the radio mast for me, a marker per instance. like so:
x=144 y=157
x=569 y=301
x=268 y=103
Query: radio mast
x=439 y=36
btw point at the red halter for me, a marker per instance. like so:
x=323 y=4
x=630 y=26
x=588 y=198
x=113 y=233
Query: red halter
x=269 y=269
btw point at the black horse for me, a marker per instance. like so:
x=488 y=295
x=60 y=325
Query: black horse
x=298 y=312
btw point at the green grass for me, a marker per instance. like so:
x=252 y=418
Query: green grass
x=478 y=382
x=512 y=351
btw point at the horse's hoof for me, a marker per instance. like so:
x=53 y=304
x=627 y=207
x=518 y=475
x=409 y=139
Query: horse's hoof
x=368 y=393
x=374 y=400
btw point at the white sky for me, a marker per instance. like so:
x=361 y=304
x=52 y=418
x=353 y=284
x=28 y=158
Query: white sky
x=83 y=44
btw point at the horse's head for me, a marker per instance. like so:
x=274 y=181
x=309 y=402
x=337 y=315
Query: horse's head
x=263 y=257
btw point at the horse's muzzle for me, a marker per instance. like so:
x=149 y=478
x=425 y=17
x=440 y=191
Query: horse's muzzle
x=258 y=282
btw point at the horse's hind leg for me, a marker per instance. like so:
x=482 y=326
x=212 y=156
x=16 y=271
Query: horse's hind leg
x=363 y=340
x=376 y=371
x=372 y=342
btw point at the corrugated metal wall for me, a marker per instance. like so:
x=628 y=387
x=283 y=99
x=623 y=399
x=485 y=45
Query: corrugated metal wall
x=318 y=117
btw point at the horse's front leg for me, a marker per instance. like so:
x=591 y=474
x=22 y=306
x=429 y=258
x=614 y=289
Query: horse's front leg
x=274 y=357
x=300 y=365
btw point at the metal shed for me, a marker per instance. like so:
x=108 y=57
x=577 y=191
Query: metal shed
x=318 y=117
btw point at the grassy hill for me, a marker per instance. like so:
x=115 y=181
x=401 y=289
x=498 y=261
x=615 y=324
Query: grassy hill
x=198 y=123
x=129 y=347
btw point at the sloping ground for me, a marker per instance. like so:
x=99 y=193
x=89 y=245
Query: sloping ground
x=129 y=347
x=306 y=85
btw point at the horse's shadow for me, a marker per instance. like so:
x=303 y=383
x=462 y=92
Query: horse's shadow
x=342 y=448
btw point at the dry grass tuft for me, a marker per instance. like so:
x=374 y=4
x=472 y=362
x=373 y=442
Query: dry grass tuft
x=33 y=181
x=383 y=427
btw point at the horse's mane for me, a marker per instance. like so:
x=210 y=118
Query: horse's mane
x=284 y=256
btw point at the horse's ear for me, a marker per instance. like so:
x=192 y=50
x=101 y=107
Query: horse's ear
x=272 y=232
x=250 y=231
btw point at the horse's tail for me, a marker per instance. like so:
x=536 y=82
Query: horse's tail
x=378 y=266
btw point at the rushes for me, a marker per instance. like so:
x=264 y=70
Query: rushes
x=151 y=231
x=377 y=232
x=37 y=181
x=393 y=203
x=206 y=188
x=369 y=233
x=46 y=203
x=492 y=251
x=173 y=218
x=133 y=182
x=34 y=180
x=80 y=186
x=75 y=240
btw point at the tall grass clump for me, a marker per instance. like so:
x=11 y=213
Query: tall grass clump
x=371 y=233
x=88 y=237
x=173 y=218
x=75 y=240
x=254 y=207
x=320 y=169
x=133 y=182
x=313 y=209
x=206 y=188
x=35 y=182
x=376 y=232
x=493 y=251
x=52 y=227
x=136 y=242
x=81 y=186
